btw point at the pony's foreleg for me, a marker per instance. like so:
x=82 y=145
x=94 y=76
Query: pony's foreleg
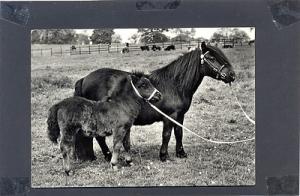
x=178 y=135
x=105 y=150
x=67 y=149
x=126 y=144
x=117 y=144
x=167 y=131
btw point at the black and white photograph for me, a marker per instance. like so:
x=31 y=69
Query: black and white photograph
x=143 y=107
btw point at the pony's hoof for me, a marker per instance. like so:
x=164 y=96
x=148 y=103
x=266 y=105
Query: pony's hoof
x=108 y=156
x=163 y=157
x=181 y=154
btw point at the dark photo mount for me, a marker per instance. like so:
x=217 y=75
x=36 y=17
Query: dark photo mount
x=277 y=83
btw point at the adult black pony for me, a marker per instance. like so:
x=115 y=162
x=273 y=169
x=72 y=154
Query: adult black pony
x=178 y=81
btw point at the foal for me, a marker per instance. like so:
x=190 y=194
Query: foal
x=90 y=118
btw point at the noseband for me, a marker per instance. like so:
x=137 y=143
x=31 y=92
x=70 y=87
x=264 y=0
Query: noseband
x=138 y=93
x=217 y=70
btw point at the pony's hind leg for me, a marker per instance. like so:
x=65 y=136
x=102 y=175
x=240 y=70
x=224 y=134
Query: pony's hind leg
x=126 y=144
x=105 y=150
x=167 y=131
x=117 y=144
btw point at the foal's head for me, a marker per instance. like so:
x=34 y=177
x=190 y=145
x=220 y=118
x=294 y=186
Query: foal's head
x=143 y=88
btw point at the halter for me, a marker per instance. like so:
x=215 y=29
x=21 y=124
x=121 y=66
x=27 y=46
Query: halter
x=138 y=93
x=217 y=70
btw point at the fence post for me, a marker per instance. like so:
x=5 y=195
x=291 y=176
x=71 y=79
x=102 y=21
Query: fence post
x=60 y=51
x=108 y=48
x=70 y=50
x=163 y=45
x=41 y=52
x=79 y=50
x=117 y=47
x=51 y=51
x=89 y=49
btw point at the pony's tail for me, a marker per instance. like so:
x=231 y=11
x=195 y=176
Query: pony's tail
x=53 y=127
x=78 y=88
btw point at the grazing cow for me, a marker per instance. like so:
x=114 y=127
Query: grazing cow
x=155 y=47
x=78 y=115
x=145 y=48
x=227 y=46
x=170 y=47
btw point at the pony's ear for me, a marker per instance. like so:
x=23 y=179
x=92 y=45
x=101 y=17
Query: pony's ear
x=204 y=47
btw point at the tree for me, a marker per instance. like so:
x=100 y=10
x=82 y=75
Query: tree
x=53 y=36
x=135 y=38
x=153 y=35
x=82 y=39
x=184 y=35
x=116 y=38
x=103 y=36
x=230 y=33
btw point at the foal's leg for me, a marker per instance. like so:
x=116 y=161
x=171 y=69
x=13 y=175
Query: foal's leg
x=167 y=131
x=117 y=144
x=178 y=135
x=126 y=144
x=105 y=150
x=67 y=148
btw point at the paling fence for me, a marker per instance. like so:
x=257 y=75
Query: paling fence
x=61 y=50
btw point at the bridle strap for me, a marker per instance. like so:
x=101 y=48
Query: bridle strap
x=138 y=93
x=217 y=70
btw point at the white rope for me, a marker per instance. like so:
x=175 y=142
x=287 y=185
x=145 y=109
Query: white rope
x=203 y=138
x=252 y=121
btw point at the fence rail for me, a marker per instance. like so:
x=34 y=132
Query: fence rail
x=108 y=48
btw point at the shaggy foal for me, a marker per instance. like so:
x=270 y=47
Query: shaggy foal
x=90 y=118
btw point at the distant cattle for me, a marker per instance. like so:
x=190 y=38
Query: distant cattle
x=170 y=47
x=73 y=47
x=125 y=49
x=227 y=46
x=155 y=47
x=251 y=42
x=145 y=48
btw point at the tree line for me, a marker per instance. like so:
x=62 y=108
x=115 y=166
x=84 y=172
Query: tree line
x=143 y=35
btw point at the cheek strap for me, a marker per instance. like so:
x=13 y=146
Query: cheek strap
x=153 y=93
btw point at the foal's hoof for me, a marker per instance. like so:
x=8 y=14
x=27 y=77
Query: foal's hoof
x=108 y=156
x=129 y=163
x=67 y=172
x=181 y=154
x=114 y=167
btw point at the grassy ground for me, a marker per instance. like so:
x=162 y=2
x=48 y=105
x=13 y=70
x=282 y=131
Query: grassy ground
x=213 y=113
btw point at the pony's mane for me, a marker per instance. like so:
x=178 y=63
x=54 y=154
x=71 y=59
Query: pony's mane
x=139 y=73
x=184 y=70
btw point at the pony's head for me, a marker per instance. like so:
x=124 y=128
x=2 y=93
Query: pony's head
x=144 y=88
x=216 y=63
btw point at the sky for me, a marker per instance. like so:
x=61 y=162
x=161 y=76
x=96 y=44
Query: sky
x=200 y=32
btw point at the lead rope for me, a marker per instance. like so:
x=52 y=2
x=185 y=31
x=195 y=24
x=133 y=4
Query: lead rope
x=252 y=121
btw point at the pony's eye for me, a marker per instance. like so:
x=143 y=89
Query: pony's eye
x=143 y=85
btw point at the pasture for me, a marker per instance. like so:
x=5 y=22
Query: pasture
x=213 y=114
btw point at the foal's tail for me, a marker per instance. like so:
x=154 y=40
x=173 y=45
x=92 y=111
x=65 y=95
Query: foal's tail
x=78 y=88
x=53 y=128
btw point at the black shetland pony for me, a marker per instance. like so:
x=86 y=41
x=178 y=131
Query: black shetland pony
x=178 y=81
x=77 y=115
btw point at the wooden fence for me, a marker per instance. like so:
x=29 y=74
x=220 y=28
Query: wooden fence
x=100 y=48
x=114 y=48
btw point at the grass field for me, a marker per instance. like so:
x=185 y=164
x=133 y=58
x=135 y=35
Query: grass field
x=213 y=113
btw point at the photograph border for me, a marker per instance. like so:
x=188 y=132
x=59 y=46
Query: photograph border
x=276 y=95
